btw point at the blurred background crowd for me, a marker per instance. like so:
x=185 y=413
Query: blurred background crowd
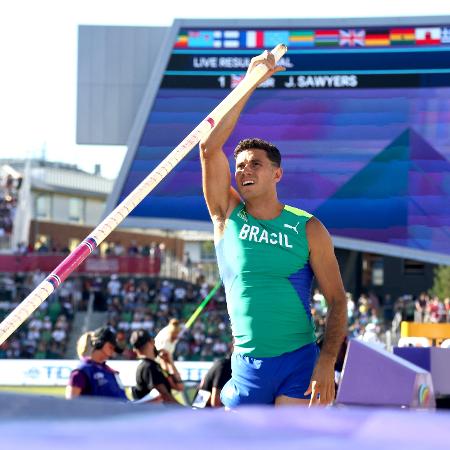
x=131 y=303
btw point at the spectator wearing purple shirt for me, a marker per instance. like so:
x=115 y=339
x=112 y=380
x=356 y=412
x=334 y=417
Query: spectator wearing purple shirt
x=93 y=376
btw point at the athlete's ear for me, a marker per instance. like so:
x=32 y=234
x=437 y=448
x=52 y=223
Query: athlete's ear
x=278 y=174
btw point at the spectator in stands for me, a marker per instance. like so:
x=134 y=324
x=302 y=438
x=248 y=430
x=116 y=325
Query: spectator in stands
x=166 y=291
x=447 y=309
x=374 y=301
x=350 y=306
x=21 y=249
x=118 y=249
x=149 y=375
x=93 y=377
x=114 y=285
x=145 y=250
x=59 y=335
x=179 y=293
x=100 y=303
x=370 y=334
x=421 y=306
x=133 y=249
x=38 y=277
x=435 y=310
x=388 y=309
x=154 y=250
x=43 y=246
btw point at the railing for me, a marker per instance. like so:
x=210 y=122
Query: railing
x=196 y=272
x=92 y=265
x=167 y=266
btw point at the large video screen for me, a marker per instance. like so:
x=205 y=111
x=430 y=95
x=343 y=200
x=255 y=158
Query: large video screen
x=361 y=117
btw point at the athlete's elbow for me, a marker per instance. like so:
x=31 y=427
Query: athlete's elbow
x=204 y=145
x=207 y=148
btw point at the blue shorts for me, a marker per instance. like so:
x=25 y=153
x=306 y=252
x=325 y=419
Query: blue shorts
x=261 y=380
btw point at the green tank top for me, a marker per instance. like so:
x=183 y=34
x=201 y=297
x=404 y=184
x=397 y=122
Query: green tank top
x=264 y=265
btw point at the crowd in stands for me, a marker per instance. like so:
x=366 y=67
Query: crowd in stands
x=9 y=189
x=369 y=317
x=128 y=303
x=153 y=250
x=132 y=303
x=46 y=333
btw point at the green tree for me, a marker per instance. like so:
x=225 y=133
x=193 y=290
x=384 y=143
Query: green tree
x=441 y=282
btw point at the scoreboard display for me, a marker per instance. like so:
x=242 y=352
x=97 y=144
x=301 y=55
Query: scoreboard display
x=361 y=117
x=314 y=69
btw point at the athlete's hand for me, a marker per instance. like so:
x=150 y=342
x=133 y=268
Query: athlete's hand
x=321 y=386
x=268 y=60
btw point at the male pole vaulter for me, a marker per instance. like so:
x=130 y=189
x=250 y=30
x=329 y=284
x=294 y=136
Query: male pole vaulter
x=268 y=253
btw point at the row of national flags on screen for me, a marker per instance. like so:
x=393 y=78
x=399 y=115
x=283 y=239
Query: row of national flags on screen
x=355 y=37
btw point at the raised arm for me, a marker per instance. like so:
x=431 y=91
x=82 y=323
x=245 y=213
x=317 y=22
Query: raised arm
x=326 y=269
x=220 y=197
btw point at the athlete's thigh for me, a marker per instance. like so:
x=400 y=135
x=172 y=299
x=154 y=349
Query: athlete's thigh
x=295 y=373
x=250 y=384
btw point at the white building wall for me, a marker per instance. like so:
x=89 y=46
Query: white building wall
x=60 y=208
x=94 y=210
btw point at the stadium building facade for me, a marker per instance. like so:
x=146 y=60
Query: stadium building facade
x=58 y=205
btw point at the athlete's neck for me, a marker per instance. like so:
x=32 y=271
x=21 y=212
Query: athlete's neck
x=264 y=211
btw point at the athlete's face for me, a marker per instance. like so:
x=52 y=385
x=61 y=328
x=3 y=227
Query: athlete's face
x=256 y=174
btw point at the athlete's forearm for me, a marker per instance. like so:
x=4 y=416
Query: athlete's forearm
x=219 y=135
x=335 y=329
x=225 y=126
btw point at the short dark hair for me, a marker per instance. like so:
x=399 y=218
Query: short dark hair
x=139 y=338
x=259 y=144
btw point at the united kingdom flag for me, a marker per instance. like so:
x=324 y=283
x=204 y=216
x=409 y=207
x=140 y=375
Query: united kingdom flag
x=235 y=80
x=352 y=38
x=445 y=36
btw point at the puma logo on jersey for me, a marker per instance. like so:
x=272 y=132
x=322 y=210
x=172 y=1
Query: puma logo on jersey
x=292 y=227
x=243 y=214
x=254 y=234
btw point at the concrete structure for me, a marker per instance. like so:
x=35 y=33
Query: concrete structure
x=59 y=204
x=114 y=66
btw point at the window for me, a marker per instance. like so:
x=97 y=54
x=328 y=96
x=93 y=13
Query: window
x=411 y=267
x=75 y=210
x=372 y=270
x=73 y=242
x=378 y=272
x=43 y=206
x=207 y=251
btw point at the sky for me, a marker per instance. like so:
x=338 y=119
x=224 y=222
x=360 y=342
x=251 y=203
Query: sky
x=38 y=51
